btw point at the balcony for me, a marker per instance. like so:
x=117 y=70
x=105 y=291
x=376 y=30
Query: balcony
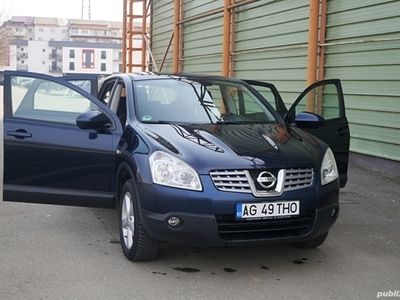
x=19 y=32
x=56 y=56
x=22 y=55
x=56 y=69
x=21 y=67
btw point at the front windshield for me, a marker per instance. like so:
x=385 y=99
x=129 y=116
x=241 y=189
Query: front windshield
x=178 y=100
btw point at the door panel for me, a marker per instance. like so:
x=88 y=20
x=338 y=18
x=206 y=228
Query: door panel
x=47 y=158
x=325 y=98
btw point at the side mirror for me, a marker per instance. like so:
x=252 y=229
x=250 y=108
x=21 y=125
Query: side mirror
x=93 y=119
x=309 y=120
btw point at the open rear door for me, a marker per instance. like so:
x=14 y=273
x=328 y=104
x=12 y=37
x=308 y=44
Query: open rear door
x=325 y=98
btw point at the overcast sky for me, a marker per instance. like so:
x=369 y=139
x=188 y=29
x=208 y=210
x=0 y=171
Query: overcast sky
x=69 y=9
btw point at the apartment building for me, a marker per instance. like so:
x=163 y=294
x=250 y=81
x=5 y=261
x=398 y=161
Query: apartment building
x=57 y=46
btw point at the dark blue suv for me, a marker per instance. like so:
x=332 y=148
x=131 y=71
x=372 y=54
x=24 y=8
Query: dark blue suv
x=199 y=160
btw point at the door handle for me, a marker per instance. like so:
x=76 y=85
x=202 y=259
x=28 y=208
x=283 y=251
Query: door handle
x=341 y=131
x=20 y=134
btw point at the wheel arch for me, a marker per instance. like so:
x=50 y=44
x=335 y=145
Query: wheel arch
x=124 y=172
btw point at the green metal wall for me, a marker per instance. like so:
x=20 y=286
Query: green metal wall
x=271 y=45
x=202 y=39
x=370 y=71
x=162 y=20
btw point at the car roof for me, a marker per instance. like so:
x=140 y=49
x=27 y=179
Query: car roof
x=136 y=76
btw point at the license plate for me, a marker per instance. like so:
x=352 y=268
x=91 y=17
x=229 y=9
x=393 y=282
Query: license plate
x=267 y=209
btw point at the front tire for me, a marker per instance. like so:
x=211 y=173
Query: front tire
x=136 y=244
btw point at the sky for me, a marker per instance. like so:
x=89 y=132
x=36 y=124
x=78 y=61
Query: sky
x=68 y=9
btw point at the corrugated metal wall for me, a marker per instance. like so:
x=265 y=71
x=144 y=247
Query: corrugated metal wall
x=162 y=20
x=270 y=44
x=202 y=39
x=370 y=71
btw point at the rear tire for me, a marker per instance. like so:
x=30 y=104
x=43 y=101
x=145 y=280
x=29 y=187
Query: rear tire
x=314 y=243
x=136 y=244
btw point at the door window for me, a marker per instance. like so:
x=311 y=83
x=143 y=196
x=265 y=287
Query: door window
x=269 y=92
x=322 y=100
x=45 y=100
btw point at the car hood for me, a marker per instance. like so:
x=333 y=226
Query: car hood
x=237 y=146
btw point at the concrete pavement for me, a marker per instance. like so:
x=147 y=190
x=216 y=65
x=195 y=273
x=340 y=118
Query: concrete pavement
x=55 y=252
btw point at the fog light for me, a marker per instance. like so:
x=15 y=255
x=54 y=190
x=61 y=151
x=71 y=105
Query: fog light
x=174 y=221
x=333 y=213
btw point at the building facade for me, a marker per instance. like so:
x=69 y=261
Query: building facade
x=56 y=46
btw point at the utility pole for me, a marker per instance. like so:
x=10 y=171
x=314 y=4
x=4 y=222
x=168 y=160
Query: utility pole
x=85 y=4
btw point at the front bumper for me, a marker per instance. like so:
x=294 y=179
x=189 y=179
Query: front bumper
x=208 y=218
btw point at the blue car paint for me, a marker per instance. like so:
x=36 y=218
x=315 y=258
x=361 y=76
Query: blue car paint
x=90 y=164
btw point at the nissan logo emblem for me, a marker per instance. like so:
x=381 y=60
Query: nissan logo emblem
x=266 y=179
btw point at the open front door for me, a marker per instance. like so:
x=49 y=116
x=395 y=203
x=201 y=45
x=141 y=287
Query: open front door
x=324 y=99
x=269 y=92
x=47 y=157
x=87 y=82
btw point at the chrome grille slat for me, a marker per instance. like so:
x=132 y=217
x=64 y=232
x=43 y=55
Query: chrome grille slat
x=231 y=181
x=238 y=180
x=231 y=178
x=291 y=177
x=298 y=179
x=239 y=184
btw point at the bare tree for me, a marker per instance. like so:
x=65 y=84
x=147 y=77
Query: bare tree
x=5 y=39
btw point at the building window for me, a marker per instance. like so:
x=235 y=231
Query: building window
x=120 y=68
x=71 y=53
x=103 y=67
x=52 y=30
x=103 y=54
x=22 y=62
x=43 y=50
x=88 y=59
x=71 y=66
x=40 y=29
x=43 y=62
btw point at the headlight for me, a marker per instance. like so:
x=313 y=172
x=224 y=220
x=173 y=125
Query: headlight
x=329 y=171
x=172 y=171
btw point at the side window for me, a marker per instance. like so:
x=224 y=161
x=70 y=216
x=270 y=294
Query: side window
x=106 y=91
x=85 y=85
x=247 y=105
x=323 y=100
x=214 y=92
x=45 y=100
x=269 y=92
x=267 y=95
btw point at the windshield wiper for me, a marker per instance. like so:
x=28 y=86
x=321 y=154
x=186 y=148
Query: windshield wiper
x=200 y=97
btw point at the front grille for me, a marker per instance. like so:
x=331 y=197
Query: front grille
x=241 y=181
x=231 y=180
x=298 y=179
x=232 y=230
